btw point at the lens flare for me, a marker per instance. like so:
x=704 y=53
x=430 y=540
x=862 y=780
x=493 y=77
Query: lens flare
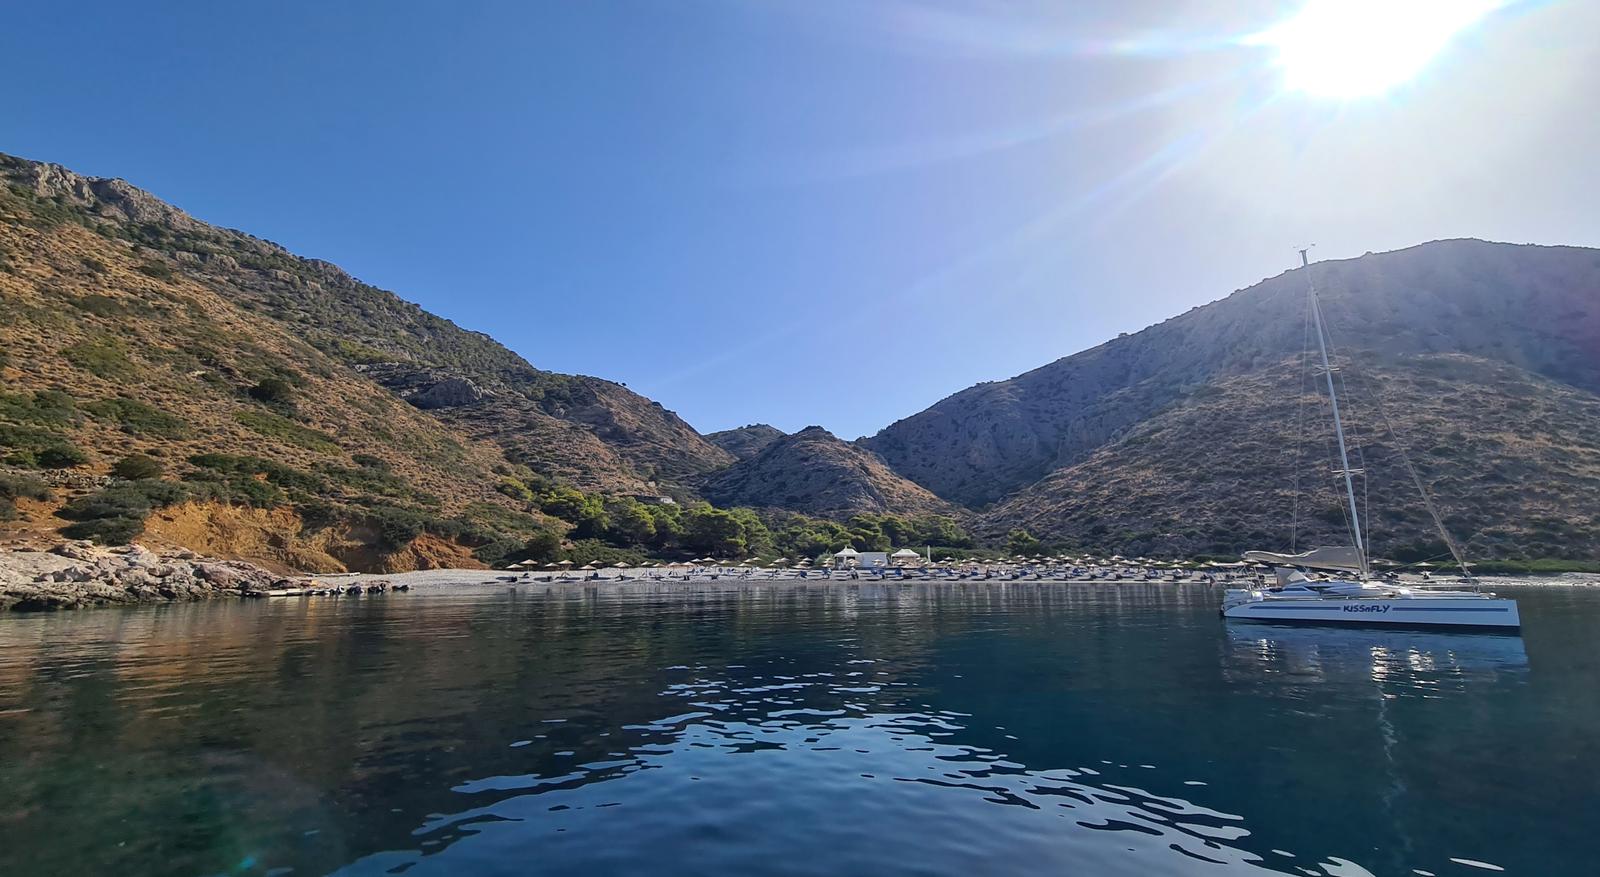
x=1361 y=48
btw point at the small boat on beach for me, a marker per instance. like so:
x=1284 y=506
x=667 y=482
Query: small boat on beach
x=1353 y=596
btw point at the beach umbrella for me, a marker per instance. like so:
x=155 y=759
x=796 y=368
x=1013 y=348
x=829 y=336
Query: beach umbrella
x=619 y=565
x=565 y=563
x=587 y=566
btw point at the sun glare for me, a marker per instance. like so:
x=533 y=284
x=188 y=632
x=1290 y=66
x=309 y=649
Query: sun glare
x=1360 y=48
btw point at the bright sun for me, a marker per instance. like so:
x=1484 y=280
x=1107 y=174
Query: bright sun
x=1360 y=48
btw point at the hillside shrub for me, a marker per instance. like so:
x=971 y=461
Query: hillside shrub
x=276 y=426
x=103 y=357
x=137 y=418
x=273 y=391
x=377 y=482
x=251 y=481
x=99 y=305
x=62 y=455
x=43 y=407
x=117 y=514
x=397 y=526
x=15 y=487
x=106 y=531
x=158 y=270
x=500 y=551
x=135 y=467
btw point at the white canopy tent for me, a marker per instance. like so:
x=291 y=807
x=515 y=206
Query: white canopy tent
x=905 y=557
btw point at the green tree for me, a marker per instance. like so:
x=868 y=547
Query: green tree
x=900 y=531
x=542 y=546
x=712 y=531
x=757 y=538
x=809 y=538
x=586 y=513
x=866 y=534
x=1022 y=542
x=668 y=520
x=941 y=530
x=631 y=524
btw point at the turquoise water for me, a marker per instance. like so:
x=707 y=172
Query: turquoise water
x=786 y=729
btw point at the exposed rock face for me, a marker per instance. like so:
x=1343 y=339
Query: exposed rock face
x=816 y=473
x=113 y=199
x=448 y=393
x=76 y=574
x=746 y=441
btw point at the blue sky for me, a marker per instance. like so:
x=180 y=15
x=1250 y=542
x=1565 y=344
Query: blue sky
x=803 y=211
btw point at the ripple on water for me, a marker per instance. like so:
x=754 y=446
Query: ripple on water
x=672 y=731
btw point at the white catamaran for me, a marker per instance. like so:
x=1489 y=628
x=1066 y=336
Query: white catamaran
x=1357 y=599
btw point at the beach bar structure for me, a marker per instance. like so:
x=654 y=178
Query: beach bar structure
x=849 y=558
x=905 y=557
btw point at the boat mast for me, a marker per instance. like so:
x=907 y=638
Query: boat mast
x=1338 y=424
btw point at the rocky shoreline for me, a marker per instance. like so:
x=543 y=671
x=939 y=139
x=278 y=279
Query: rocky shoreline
x=74 y=575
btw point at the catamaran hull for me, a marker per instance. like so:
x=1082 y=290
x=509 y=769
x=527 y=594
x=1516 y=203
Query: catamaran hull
x=1413 y=612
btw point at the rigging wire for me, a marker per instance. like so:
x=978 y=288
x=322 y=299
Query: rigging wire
x=1299 y=429
x=1411 y=469
x=1353 y=431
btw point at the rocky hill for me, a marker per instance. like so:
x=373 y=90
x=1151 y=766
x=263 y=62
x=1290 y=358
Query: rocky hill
x=227 y=396
x=1486 y=357
x=816 y=473
x=589 y=431
x=275 y=408
x=746 y=441
x=1509 y=456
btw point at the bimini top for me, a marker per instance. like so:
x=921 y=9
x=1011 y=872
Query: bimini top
x=1339 y=557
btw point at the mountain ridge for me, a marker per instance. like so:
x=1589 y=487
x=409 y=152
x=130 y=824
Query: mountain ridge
x=1054 y=414
x=1101 y=448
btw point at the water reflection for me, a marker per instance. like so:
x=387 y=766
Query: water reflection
x=898 y=729
x=1419 y=659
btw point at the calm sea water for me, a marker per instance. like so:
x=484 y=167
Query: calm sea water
x=804 y=730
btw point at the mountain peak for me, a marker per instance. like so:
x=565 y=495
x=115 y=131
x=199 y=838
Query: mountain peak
x=746 y=441
x=814 y=472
